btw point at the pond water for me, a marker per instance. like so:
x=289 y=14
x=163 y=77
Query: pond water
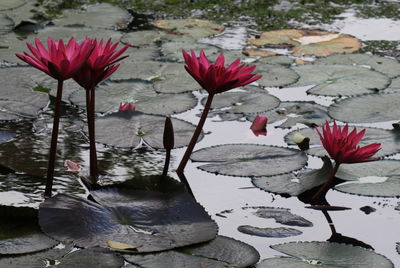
x=231 y=201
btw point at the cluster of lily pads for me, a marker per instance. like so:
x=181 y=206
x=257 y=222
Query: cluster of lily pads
x=151 y=219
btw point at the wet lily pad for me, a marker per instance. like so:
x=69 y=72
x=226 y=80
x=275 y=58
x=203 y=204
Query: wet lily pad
x=389 y=139
x=175 y=79
x=243 y=102
x=140 y=94
x=195 y=28
x=127 y=129
x=159 y=216
x=20 y=232
x=388 y=66
x=172 y=51
x=307 y=113
x=274 y=75
x=6 y=135
x=101 y=15
x=249 y=160
x=283 y=216
x=340 y=80
x=295 y=184
x=9 y=4
x=377 y=178
x=367 y=109
x=6 y=24
x=278 y=232
x=222 y=252
x=325 y=254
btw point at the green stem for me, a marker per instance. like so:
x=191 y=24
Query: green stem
x=167 y=160
x=90 y=104
x=195 y=136
x=54 y=137
x=324 y=188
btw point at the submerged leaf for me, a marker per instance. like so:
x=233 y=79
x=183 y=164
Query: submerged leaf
x=278 y=232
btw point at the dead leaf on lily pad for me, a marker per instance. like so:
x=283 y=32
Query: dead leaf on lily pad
x=251 y=52
x=195 y=28
x=119 y=245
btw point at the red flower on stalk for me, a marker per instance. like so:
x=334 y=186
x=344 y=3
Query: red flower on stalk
x=215 y=78
x=60 y=61
x=100 y=64
x=259 y=125
x=342 y=146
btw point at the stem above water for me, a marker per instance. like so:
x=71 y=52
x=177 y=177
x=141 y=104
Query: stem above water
x=90 y=108
x=324 y=188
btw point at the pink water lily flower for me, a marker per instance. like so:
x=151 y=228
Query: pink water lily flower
x=259 y=125
x=126 y=107
x=216 y=78
x=58 y=60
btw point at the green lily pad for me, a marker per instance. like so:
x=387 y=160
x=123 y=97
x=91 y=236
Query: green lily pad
x=340 y=80
x=274 y=75
x=159 y=216
x=249 y=160
x=20 y=232
x=387 y=66
x=172 y=51
x=140 y=94
x=242 y=102
x=282 y=216
x=195 y=28
x=295 y=184
x=6 y=24
x=308 y=113
x=367 y=108
x=389 y=140
x=325 y=254
x=146 y=37
x=394 y=86
x=279 y=232
x=127 y=129
x=101 y=15
x=281 y=59
x=377 y=178
x=222 y=252
x=10 y=4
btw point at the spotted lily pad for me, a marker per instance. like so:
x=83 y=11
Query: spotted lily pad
x=195 y=28
x=325 y=254
x=340 y=80
x=389 y=139
x=279 y=232
x=9 y=4
x=307 y=113
x=128 y=129
x=283 y=216
x=102 y=15
x=377 y=178
x=388 y=66
x=140 y=94
x=20 y=232
x=222 y=252
x=274 y=75
x=249 y=160
x=367 y=109
x=151 y=213
x=6 y=24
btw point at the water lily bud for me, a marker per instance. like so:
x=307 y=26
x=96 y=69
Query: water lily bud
x=168 y=138
x=302 y=141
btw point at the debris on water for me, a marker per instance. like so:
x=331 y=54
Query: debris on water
x=367 y=209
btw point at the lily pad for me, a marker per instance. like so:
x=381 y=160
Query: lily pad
x=159 y=216
x=377 y=178
x=249 y=160
x=243 y=102
x=389 y=140
x=20 y=232
x=295 y=184
x=146 y=37
x=279 y=59
x=195 y=28
x=279 y=232
x=127 y=129
x=325 y=254
x=367 y=108
x=340 y=80
x=140 y=94
x=6 y=24
x=222 y=252
x=387 y=66
x=10 y=4
x=283 y=216
x=307 y=113
x=172 y=51
x=101 y=15
x=274 y=75
x=394 y=86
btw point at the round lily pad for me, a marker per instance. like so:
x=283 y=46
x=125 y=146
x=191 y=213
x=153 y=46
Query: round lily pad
x=325 y=254
x=20 y=232
x=159 y=217
x=221 y=252
x=388 y=66
x=394 y=86
x=127 y=129
x=146 y=37
x=243 y=102
x=172 y=51
x=195 y=28
x=279 y=232
x=140 y=93
x=274 y=75
x=249 y=160
x=377 y=178
x=307 y=113
x=6 y=24
x=367 y=109
x=279 y=59
x=101 y=15
x=389 y=140
x=175 y=79
x=9 y=4
x=340 y=80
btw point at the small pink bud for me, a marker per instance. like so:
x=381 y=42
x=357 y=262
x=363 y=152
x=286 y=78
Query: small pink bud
x=259 y=125
x=126 y=106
